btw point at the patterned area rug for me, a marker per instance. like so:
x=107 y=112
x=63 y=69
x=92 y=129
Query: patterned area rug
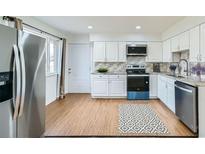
x=141 y=119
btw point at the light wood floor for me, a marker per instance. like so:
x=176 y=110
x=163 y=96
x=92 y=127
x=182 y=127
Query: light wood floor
x=80 y=115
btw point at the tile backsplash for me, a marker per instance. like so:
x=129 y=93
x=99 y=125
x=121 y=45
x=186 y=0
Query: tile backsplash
x=164 y=67
x=121 y=67
x=112 y=66
x=135 y=60
x=195 y=69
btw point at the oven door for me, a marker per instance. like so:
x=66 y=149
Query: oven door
x=138 y=87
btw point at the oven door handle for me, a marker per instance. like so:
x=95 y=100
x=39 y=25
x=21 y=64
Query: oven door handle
x=137 y=75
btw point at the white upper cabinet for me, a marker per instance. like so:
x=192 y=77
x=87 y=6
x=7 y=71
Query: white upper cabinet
x=99 y=51
x=184 y=41
x=202 y=43
x=175 y=44
x=167 y=55
x=180 y=42
x=154 y=52
x=122 y=52
x=111 y=51
x=194 y=44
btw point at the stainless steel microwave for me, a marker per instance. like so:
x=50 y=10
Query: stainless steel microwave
x=136 y=49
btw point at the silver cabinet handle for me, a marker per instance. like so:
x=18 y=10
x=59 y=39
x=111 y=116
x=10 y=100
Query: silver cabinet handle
x=183 y=89
x=18 y=81
x=23 y=81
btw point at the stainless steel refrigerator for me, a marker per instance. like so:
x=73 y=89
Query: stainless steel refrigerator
x=22 y=83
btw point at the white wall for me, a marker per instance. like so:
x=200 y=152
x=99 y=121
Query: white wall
x=183 y=25
x=125 y=37
x=79 y=38
x=51 y=88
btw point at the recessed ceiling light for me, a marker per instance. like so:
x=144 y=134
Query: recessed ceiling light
x=138 y=27
x=90 y=27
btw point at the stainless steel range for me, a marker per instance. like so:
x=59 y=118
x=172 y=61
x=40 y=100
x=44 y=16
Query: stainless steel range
x=137 y=82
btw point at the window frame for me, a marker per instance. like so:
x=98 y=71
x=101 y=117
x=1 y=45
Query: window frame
x=48 y=60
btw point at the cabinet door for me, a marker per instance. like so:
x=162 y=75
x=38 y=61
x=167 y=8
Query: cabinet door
x=167 y=55
x=99 y=51
x=162 y=92
x=202 y=43
x=153 y=86
x=194 y=44
x=122 y=52
x=170 y=97
x=154 y=52
x=175 y=44
x=117 y=87
x=99 y=87
x=184 y=41
x=112 y=51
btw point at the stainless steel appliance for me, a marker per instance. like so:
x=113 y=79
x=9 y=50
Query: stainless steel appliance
x=137 y=82
x=186 y=104
x=22 y=83
x=136 y=49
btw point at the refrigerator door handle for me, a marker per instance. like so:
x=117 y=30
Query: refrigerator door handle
x=23 y=81
x=18 y=81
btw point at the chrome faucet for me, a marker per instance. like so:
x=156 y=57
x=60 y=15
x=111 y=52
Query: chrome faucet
x=187 y=66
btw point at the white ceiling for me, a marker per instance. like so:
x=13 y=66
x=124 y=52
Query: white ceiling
x=110 y=24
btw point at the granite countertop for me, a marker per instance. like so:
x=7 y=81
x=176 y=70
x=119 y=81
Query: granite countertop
x=188 y=80
x=110 y=73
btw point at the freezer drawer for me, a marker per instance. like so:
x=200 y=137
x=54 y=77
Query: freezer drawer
x=186 y=104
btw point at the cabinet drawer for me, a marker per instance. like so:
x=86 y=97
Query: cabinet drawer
x=99 y=76
x=117 y=77
x=170 y=81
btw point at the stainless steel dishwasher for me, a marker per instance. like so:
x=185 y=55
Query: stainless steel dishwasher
x=186 y=103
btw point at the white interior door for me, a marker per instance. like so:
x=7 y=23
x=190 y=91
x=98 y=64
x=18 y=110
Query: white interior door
x=79 y=60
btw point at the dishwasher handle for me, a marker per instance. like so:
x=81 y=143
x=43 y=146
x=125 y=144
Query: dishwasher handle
x=184 y=89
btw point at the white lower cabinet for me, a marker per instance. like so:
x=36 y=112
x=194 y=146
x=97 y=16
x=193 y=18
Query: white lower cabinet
x=170 y=102
x=108 y=86
x=117 y=88
x=166 y=91
x=153 y=86
x=162 y=92
x=99 y=85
